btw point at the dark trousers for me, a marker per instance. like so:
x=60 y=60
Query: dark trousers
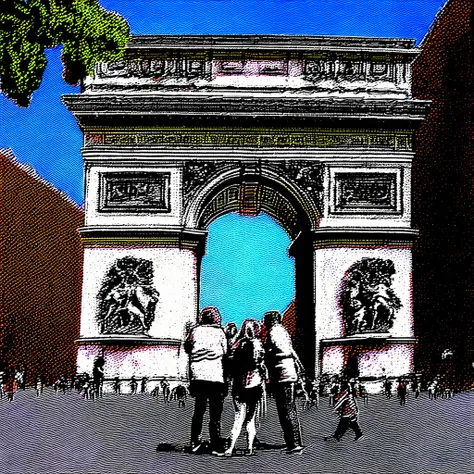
x=346 y=423
x=205 y=392
x=287 y=413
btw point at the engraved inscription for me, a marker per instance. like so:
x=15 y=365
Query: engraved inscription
x=358 y=192
x=135 y=192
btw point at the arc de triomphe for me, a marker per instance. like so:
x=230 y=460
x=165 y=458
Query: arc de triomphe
x=315 y=131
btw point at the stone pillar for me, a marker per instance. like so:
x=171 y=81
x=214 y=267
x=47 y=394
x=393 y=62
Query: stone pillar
x=141 y=267
x=128 y=348
x=363 y=302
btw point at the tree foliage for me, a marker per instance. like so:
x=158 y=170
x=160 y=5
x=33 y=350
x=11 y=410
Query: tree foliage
x=87 y=32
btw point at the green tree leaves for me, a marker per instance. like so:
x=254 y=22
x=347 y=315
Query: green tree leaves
x=87 y=31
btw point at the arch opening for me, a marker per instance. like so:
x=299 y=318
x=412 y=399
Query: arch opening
x=247 y=269
x=265 y=199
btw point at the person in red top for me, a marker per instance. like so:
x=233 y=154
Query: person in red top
x=10 y=386
x=348 y=411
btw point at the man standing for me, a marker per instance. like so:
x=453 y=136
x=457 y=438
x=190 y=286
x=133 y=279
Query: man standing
x=285 y=369
x=98 y=375
x=206 y=345
x=402 y=391
x=165 y=388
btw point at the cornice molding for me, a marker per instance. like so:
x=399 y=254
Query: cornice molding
x=128 y=341
x=350 y=237
x=270 y=42
x=167 y=237
x=368 y=339
x=153 y=104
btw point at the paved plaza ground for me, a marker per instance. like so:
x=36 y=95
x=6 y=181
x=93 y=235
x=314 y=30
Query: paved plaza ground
x=63 y=433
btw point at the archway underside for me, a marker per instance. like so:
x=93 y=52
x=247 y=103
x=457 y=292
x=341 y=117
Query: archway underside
x=252 y=198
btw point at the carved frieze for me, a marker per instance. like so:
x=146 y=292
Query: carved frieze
x=307 y=175
x=331 y=67
x=134 y=192
x=196 y=173
x=365 y=192
x=329 y=139
x=156 y=69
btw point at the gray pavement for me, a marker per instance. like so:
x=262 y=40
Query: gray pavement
x=63 y=433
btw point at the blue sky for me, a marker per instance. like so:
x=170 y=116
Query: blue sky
x=46 y=135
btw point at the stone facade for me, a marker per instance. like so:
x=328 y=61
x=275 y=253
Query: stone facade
x=315 y=131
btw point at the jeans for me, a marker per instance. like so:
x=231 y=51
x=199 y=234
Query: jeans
x=214 y=393
x=346 y=423
x=287 y=413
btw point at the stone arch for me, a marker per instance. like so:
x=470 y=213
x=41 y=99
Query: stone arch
x=290 y=205
x=252 y=193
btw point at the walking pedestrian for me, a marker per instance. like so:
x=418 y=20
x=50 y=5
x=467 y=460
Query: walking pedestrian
x=364 y=394
x=39 y=385
x=116 y=385
x=206 y=345
x=402 y=392
x=20 y=378
x=387 y=387
x=143 y=384
x=348 y=411
x=133 y=385
x=285 y=370
x=2 y=383
x=86 y=389
x=165 y=388
x=333 y=391
x=180 y=394
x=249 y=375
x=10 y=386
x=314 y=393
x=415 y=386
x=155 y=392
x=433 y=390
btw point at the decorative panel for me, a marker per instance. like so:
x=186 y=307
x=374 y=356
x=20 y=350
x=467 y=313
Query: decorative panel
x=366 y=193
x=135 y=192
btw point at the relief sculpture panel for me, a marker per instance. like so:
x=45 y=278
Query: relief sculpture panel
x=367 y=300
x=127 y=299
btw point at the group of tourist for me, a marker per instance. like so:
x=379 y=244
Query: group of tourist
x=259 y=352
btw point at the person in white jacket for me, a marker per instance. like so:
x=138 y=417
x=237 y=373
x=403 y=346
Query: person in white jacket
x=285 y=370
x=207 y=347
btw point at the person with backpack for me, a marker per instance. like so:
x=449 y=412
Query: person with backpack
x=285 y=371
x=249 y=375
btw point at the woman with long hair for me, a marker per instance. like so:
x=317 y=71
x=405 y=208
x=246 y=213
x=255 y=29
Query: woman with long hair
x=248 y=375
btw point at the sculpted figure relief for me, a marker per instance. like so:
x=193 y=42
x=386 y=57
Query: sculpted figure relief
x=367 y=300
x=127 y=299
